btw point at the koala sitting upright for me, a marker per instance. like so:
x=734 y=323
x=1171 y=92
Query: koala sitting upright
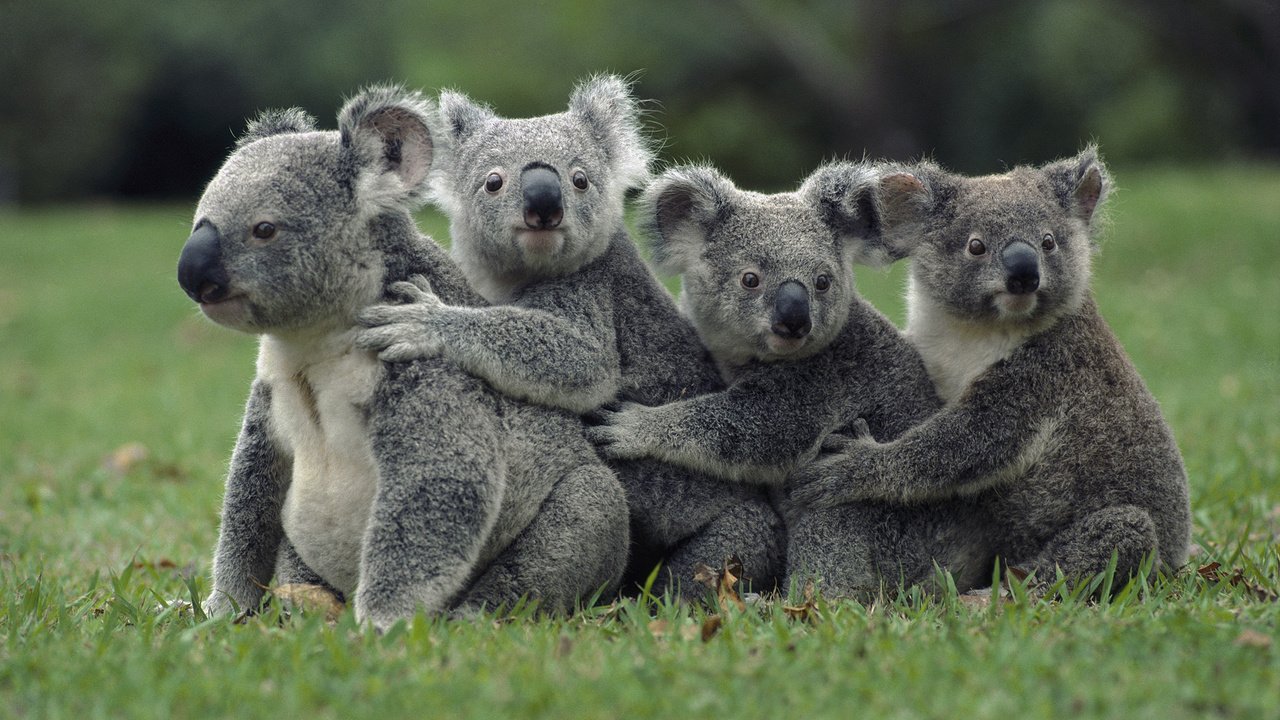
x=536 y=211
x=1046 y=422
x=768 y=282
x=413 y=487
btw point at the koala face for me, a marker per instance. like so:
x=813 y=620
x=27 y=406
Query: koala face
x=1011 y=249
x=281 y=239
x=541 y=196
x=764 y=277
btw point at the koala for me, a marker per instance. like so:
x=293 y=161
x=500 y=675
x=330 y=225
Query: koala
x=768 y=283
x=536 y=219
x=1046 y=426
x=412 y=487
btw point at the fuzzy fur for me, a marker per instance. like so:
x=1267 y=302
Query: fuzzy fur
x=783 y=401
x=1048 y=427
x=583 y=320
x=410 y=488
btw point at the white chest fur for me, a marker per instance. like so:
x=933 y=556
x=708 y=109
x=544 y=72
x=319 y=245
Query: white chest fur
x=955 y=352
x=320 y=391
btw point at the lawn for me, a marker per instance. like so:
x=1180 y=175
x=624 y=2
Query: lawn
x=119 y=406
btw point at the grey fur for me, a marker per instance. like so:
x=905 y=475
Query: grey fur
x=1048 y=428
x=413 y=487
x=788 y=394
x=584 y=319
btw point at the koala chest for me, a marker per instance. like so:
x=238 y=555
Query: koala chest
x=955 y=352
x=319 y=411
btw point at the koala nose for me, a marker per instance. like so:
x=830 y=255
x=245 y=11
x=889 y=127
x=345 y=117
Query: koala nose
x=791 y=311
x=200 y=270
x=543 y=206
x=1021 y=267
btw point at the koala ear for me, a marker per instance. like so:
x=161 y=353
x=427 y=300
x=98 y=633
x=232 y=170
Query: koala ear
x=605 y=103
x=387 y=131
x=276 y=122
x=906 y=196
x=1080 y=184
x=461 y=116
x=678 y=210
x=846 y=198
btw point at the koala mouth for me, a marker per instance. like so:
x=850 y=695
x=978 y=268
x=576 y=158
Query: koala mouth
x=779 y=345
x=1009 y=305
x=230 y=310
x=540 y=242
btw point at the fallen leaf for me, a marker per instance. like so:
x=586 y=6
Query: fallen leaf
x=705 y=574
x=1253 y=638
x=310 y=599
x=807 y=610
x=659 y=628
x=711 y=626
x=125 y=458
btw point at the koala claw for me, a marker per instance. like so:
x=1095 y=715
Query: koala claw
x=612 y=430
x=417 y=289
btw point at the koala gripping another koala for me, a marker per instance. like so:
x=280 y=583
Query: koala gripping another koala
x=413 y=487
x=536 y=217
x=1047 y=424
x=768 y=282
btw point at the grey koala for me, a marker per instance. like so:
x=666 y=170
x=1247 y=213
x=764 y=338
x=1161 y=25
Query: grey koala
x=536 y=211
x=768 y=282
x=412 y=487
x=1047 y=425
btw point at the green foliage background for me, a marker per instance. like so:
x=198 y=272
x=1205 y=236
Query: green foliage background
x=139 y=98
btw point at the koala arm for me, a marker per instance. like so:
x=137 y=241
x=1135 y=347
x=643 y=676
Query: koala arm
x=556 y=348
x=990 y=436
x=251 y=530
x=755 y=431
x=440 y=488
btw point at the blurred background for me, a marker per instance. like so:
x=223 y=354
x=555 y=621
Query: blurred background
x=139 y=99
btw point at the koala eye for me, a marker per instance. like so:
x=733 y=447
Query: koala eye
x=580 y=179
x=493 y=183
x=750 y=280
x=264 y=230
x=1047 y=242
x=977 y=247
x=822 y=283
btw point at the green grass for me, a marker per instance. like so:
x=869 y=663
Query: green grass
x=119 y=405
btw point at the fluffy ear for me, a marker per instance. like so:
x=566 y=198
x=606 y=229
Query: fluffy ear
x=461 y=116
x=846 y=198
x=276 y=122
x=605 y=103
x=678 y=210
x=906 y=196
x=387 y=131
x=1080 y=184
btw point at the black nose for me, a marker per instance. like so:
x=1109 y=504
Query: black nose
x=543 y=206
x=1021 y=267
x=791 y=311
x=200 y=270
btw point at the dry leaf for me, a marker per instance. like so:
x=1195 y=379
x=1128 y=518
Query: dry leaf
x=125 y=458
x=807 y=610
x=707 y=575
x=711 y=626
x=659 y=628
x=1253 y=638
x=309 y=599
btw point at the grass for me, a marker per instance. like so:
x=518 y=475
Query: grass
x=119 y=405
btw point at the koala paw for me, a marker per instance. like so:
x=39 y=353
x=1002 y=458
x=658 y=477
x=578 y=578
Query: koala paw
x=839 y=474
x=409 y=331
x=614 y=430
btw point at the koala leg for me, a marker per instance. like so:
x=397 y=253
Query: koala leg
x=750 y=530
x=290 y=570
x=1084 y=547
x=575 y=546
x=860 y=549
